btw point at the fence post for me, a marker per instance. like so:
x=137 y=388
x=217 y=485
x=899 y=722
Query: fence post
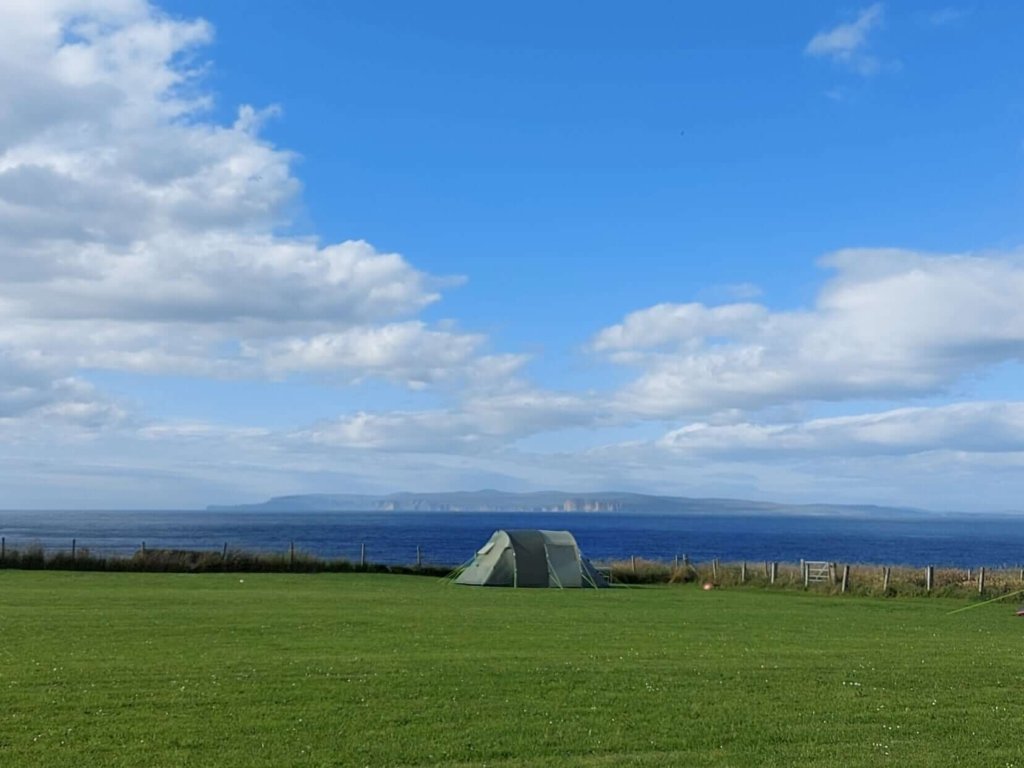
x=846 y=578
x=686 y=561
x=806 y=574
x=774 y=572
x=929 y=577
x=981 y=580
x=224 y=552
x=714 y=569
x=74 y=549
x=143 y=549
x=3 y=548
x=970 y=574
x=362 y=555
x=676 y=563
x=885 y=578
x=743 y=573
x=419 y=557
x=632 y=563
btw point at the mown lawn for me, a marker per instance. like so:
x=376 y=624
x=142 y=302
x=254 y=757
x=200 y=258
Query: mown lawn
x=368 y=670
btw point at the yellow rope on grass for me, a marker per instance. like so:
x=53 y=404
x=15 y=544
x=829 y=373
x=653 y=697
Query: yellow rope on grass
x=978 y=605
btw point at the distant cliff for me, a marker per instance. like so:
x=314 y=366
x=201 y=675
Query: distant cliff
x=551 y=501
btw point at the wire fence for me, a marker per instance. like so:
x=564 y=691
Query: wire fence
x=810 y=575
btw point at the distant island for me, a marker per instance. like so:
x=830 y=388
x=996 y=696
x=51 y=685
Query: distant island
x=555 y=501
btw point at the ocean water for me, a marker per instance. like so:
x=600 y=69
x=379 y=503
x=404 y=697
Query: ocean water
x=451 y=538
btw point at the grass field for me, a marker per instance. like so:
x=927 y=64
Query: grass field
x=101 y=669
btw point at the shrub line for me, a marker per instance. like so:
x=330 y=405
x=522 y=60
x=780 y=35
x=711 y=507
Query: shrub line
x=860 y=578
x=153 y=560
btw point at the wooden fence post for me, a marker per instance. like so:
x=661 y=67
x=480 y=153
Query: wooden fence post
x=224 y=552
x=929 y=577
x=143 y=549
x=686 y=561
x=676 y=563
x=362 y=555
x=970 y=575
x=714 y=569
x=774 y=572
x=806 y=573
x=981 y=580
x=632 y=564
x=743 y=573
x=846 y=578
x=74 y=549
x=886 y=572
x=419 y=557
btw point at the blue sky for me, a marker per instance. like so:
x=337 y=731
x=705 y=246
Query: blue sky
x=731 y=250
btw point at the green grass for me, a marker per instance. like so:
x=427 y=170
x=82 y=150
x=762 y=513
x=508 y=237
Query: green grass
x=107 y=669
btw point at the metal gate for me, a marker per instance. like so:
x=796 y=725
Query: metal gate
x=816 y=572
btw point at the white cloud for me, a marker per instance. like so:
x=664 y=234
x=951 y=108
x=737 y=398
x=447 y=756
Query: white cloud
x=35 y=399
x=978 y=427
x=137 y=234
x=407 y=352
x=676 y=324
x=847 y=43
x=482 y=423
x=889 y=324
x=219 y=278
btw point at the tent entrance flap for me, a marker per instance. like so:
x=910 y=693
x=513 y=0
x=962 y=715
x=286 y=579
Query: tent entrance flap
x=531 y=560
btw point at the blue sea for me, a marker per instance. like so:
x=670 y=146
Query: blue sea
x=449 y=538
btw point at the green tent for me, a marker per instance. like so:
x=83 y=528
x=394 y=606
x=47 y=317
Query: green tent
x=529 y=558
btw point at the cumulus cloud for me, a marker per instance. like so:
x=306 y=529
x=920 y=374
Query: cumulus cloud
x=985 y=427
x=888 y=324
x=138 y=234
x=34 y=396
x=674 y=325
x=847 y=43
x=408 y=352
x=220 y=278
